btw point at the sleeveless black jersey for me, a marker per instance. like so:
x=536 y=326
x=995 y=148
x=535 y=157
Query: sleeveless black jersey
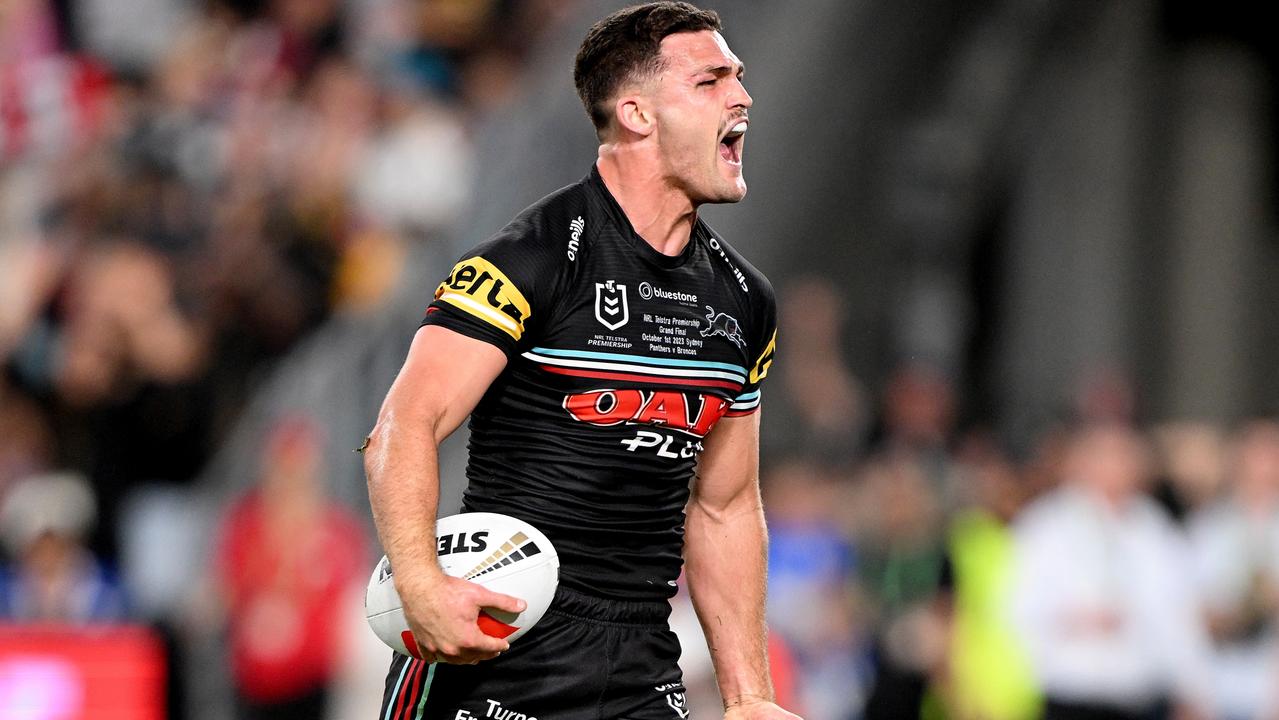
x=620 y=361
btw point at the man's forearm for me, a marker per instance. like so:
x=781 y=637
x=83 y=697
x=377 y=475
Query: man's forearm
x=726 y=563
x=402 y=467
x=443 y=377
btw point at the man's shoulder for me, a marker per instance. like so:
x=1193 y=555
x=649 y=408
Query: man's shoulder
x=555 y=216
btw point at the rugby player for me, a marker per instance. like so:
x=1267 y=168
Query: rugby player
x=608 y=347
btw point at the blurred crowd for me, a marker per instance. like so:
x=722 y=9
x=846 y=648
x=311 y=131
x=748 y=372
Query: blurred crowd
x=175 y=216
x=921 y=569
x=180 y=208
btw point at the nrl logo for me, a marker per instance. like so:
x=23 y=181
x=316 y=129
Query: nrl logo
x=723 y=324
x=610 y=305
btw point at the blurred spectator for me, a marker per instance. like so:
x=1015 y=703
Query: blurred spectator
x=1235 y=544
x=1193 y=460
x=287 y=557
x=54 y=578
x=917 y=427
x=1045 y=468
x=117 y=366
x=906 y=574
x=121 y=328
x=988 y=676
x=820 y=413
x=109 y=29
x=1105 y=395
x=416 y=175
x=26 y=441
x=812 y=566
x=49 y=100
x=1102 y=597
x=919 y=410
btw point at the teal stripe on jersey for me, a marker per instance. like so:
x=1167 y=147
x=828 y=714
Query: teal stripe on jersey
x=618 y=357
x=426 y=690
x=390 y=706
x=747 y=397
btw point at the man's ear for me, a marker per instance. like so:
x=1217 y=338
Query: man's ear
x=635 y=115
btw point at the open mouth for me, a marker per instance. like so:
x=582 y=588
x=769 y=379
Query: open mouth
x=730 y=146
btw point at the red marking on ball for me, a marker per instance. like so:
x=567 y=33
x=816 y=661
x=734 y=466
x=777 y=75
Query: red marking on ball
x=493 y=627
x=410 y=643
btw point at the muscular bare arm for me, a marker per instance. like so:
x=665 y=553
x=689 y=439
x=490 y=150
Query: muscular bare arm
x=443 y=378
x=725 y=555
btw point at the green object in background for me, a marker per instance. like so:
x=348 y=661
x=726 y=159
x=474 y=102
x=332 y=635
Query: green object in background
x=991 y=676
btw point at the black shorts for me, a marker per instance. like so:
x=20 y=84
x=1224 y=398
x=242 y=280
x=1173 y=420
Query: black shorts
x=587 y=659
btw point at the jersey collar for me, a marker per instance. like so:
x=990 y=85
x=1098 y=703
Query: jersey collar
x=627 y=231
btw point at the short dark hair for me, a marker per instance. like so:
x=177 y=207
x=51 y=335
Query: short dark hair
x=627 y=45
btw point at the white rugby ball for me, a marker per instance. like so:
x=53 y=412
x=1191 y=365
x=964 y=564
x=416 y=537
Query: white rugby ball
x=502 y=553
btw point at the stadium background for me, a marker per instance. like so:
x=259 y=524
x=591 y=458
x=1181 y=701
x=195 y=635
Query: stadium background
x=988 y=223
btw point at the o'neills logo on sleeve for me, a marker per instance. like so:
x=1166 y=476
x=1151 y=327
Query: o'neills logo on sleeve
x=479 y=289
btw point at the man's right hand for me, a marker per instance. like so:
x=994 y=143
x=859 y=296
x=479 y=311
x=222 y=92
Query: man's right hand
x=442 y=612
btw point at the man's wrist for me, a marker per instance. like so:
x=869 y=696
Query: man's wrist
x=423 y=578
x=746 y=699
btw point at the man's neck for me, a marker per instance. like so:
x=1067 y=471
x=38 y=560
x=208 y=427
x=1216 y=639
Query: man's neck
x=661 y=214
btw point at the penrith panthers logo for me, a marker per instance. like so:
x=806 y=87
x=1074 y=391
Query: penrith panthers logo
x=723 y=324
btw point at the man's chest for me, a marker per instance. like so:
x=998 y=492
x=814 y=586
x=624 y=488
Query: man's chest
x=686 y=321
x=629 y=346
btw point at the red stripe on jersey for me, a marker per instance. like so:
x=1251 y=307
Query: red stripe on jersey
x=660 y=380
x=410 y=688
x=741 y=413
x=419 y=686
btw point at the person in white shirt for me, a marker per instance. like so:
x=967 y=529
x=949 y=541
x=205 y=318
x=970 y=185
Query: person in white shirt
x=1235 y=554
x=1103 y=595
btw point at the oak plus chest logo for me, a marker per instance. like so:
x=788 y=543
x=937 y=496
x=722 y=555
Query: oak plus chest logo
x=610 y=305
x=723 y=324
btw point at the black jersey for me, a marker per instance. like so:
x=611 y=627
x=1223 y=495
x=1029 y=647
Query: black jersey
x=620 y=360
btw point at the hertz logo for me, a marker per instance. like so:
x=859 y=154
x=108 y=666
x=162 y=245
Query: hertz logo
x=513 y=550
x=478 y=288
